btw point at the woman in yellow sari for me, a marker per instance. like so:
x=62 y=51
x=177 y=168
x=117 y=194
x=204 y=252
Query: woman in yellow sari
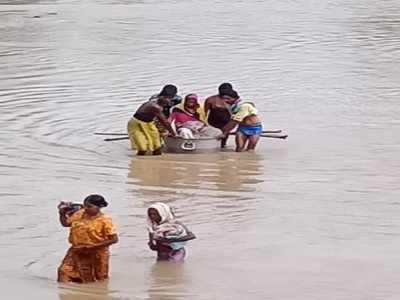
x=91 y=234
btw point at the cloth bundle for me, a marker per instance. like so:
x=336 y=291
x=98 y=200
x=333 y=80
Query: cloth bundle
x=197 y=129
x=168 y=227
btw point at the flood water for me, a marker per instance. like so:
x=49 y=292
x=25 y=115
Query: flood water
x=313 y=217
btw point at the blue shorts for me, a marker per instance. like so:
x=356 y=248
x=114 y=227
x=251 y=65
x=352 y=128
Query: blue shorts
x=250 y=130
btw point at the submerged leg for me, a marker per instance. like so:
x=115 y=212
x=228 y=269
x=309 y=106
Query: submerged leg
x=177 y=255
x=68 y=270
x=157 y=152
x=240 y=141
x=101 y=266
x=223 y=142
x=253 y=140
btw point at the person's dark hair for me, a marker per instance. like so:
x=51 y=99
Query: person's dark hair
x=169 y=90
x=97 y=200
x=226 y=86
x=230 y=93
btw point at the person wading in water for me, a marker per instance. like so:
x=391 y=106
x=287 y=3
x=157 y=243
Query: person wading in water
x=142 y=130
x=245 y=117
x=217 y=109
x=167 y=235
x=91 y=234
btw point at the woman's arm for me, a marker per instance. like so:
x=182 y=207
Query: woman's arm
x=113 y=239
x=151 y=243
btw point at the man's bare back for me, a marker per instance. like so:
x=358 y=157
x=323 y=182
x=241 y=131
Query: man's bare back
x=151 y=110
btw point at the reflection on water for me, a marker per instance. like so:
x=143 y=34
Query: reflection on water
x=220 y=171
x=207 y=189
x=168 y=282
x=93 y=291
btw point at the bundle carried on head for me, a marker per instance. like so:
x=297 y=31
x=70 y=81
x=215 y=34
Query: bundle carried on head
x=69 y=207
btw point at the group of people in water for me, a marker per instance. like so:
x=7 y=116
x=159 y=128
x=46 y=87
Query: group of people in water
x=166 y=113
x=92 y=233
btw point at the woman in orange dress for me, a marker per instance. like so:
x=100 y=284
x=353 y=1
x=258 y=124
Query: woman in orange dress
x=91 y=234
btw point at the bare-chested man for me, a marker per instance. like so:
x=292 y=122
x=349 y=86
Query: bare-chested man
x=142 y=129
x=217 y=109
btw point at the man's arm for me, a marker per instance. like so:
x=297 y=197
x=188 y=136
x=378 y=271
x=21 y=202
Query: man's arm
x=164 y=121
x=207 y=106
x=228 y=127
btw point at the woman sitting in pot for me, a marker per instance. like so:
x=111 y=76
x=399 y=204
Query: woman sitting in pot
x=190 y=121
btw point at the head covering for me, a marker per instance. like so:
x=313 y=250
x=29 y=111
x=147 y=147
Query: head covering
x=200 y=114
x=165 y=213
x=97 y=200
x=191 y=96
x=168 y=227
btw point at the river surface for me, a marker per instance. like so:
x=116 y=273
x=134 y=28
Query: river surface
x=315 y=216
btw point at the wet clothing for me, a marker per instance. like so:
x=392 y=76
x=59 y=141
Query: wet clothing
x=143 y=117
x=250 y=130
x=90 y=264
x=168 y=227
x=173 y=255
x=84 y=266
x=189 y=124
x=166 y=253
x=243 y=110
x=181 y=117
x=180 y=109
x=89 y=232
x=166 y=111
x=144 y=136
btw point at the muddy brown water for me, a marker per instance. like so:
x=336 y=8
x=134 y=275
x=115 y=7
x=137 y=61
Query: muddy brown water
x=312 y=217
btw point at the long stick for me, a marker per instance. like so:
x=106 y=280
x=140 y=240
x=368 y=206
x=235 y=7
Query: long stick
x=272 y=131
x=117 y=139
x=265 y=131
x=107 y=133
x=275 y=136
x=122 y=134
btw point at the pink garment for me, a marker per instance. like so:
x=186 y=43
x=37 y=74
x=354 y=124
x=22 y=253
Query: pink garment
x=181 y=117
x=173 y=255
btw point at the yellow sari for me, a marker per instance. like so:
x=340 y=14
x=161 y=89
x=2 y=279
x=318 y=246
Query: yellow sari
x=199 y=111
x=87 y=265
x=144 y=136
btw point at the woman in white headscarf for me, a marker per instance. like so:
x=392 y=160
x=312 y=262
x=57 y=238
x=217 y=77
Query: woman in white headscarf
x=167 y=235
